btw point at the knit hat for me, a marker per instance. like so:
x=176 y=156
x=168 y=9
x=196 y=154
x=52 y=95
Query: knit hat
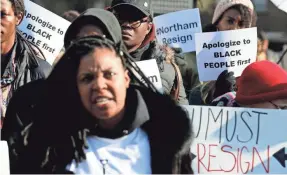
x=223 y=5
x=260 y=82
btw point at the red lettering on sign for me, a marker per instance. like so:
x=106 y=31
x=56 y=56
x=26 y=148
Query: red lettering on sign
x=199 y=160
x=223 y=150
x=209 y=157
x=239 y=164
x=267 y=169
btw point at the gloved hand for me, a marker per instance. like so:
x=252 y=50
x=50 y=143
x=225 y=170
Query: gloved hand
x=177 y=50
x=225 y=82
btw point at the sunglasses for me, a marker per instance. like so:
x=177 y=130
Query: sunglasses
x=133 y=24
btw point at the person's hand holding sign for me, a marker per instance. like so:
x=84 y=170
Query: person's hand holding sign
x=225 y=83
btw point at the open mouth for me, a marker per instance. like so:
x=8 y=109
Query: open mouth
x=101 y=100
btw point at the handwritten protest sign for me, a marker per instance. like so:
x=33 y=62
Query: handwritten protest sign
x=150 y=70
x=4 y=159
x=177 y=29
x=238 y=140
x=44 y=29
x=228 y=50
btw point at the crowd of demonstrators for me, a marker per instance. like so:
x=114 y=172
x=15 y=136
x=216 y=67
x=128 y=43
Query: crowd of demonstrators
x=102 y=23
x=19 y=115
x=94 y=115
x=257 y=87
x=228 y=15
x=139 y=37
x=106 y=116
x=20 y=59
x=95 y=22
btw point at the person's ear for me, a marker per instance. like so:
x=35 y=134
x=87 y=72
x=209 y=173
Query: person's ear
x=149 y=27
x=127 y=78
x=19 y=18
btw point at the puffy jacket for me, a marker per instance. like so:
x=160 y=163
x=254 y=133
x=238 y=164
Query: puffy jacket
x=164 y=57
x=30 y=67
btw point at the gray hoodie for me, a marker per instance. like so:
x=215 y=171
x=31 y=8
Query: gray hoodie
x=99 y=17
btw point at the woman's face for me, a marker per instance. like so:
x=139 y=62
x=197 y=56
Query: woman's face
x=275 y=104
x=102 y=82
x=231 y=20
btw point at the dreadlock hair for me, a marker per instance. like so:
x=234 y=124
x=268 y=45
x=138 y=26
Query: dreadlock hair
x=249 y=18
x=63 y=128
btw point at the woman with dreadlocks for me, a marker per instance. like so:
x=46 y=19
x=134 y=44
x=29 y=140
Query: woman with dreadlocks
x=99 y=123
x=20 y=63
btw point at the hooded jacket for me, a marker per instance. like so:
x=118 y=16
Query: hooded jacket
x=169 y=145
x=103 y=18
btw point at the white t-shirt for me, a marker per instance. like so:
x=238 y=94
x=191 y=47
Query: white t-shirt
x=129 y=154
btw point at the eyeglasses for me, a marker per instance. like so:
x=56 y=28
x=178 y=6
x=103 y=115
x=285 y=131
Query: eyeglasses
x=278 y=107
x=133 y=24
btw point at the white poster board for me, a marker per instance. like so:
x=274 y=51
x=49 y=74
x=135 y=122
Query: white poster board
x=177 y=29
x=238 y=140
x=281 y=4
x=230 y=50
x=151 y=71
x=44 y=29
x=4 y=159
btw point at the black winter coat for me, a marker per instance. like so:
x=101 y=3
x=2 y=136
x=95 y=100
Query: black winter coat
x=29 y=67
x=167 y=125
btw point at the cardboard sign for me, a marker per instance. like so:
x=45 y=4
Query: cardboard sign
x=4 y=159
x=44 y=29
x=238 y=140
x=150 y=70
x=177 y=29
x=228 y=50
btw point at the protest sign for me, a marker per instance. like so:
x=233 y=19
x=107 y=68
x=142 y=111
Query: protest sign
x=150 y=70
x=228 y=50
x=4 y=159
x=177 y=29
x=281 y=4
x=44 y=29
x=238 y=140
